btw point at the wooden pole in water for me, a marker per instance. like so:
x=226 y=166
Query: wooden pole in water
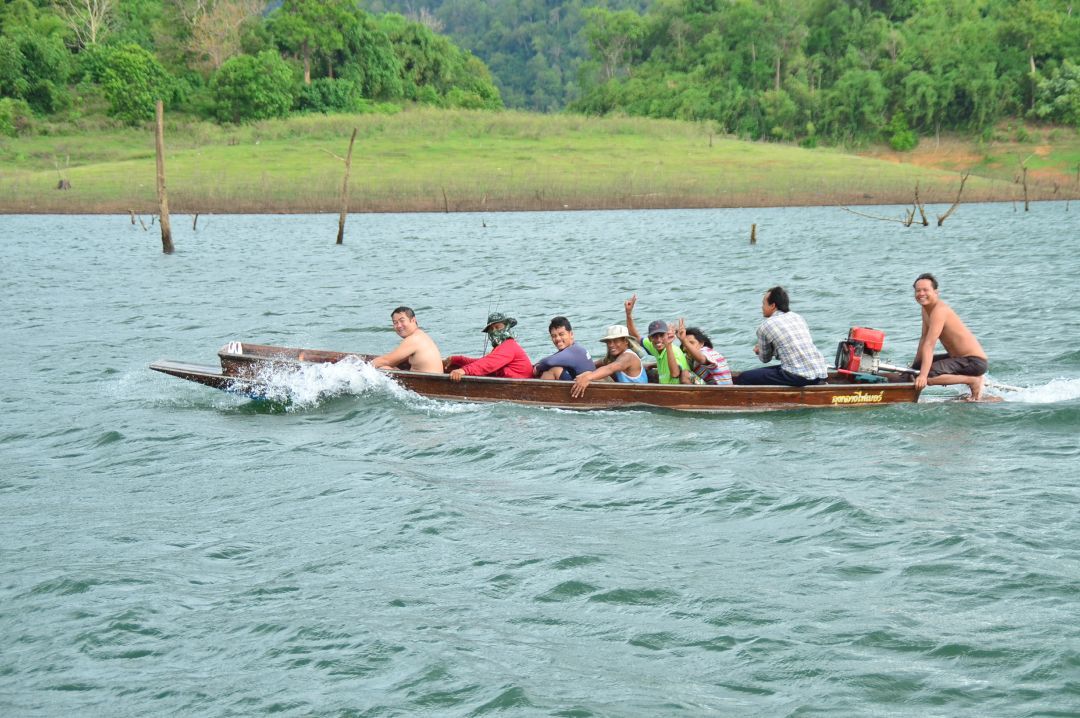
x=163 y=198
x=753 y=234
x=345 y=192
x=1025 y=190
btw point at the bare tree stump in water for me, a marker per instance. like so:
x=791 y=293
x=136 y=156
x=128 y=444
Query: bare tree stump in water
x=163 y=197
x=345 y=191
x=1026 y=203
x=753 y=234
x=919 y=204
x=942 y=217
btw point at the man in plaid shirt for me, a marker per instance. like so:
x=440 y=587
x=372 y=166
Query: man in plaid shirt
x=784 y=334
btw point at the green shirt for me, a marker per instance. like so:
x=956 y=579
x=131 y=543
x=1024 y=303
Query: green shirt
x=662 y=363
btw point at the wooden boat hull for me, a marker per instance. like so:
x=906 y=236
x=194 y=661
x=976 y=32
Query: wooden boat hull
x=243 y=373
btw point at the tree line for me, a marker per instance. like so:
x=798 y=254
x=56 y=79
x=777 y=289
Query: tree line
x=229 y=60
x=839 y=70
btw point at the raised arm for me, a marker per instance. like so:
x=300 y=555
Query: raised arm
x=628 y=305
x=674 y=369
x=680 y=332
x=698 y=356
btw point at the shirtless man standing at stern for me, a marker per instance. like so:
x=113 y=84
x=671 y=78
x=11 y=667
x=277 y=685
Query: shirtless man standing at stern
x=416 y=347
x=964 y=361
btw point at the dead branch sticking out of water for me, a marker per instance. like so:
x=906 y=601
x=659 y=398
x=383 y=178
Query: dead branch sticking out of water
x=1027 y=205
x=919 y=204
x=1022 y=177
x=909 y=215
x=753 y=234
x=942 y=217
x=195 y=222
x=345 y=191
x=871 y=216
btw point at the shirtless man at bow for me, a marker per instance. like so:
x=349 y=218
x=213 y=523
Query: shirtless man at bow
x=416 y=347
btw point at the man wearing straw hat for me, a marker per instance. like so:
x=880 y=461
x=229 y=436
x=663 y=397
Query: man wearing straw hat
x=507 y=359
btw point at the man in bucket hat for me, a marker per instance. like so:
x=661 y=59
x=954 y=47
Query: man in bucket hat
x=507 y=359
x=659 y=343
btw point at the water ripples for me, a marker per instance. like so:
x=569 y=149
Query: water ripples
x=353 y=549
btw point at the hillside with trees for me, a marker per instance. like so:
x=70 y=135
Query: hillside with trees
x=843 y=71
x=839 y=72
x=535 y=48
x=229 y=60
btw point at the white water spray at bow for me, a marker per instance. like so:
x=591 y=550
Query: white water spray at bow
x=309 y=384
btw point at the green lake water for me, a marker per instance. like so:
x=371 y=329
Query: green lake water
x=168 y=549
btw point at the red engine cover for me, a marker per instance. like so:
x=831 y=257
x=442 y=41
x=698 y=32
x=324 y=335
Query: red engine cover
x=874 y=339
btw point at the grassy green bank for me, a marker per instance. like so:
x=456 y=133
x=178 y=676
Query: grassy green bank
x=435 y=160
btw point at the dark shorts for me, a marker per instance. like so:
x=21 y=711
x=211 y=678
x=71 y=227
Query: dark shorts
x=963 y=366
x=773 y=375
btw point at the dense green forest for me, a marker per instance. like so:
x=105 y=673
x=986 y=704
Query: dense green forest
x=535 y=48
x=231 y=60
x=840 y=71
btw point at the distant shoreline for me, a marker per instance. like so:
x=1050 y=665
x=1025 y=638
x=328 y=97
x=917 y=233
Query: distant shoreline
x=427 y=160
x=427 y=206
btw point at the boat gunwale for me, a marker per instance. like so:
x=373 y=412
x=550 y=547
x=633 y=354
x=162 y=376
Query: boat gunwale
x=254 y=358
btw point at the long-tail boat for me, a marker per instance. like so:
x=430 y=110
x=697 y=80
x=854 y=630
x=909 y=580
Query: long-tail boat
x=245 y=368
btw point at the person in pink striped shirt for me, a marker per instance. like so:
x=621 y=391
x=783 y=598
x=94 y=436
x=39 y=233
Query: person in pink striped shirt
x=707 y=364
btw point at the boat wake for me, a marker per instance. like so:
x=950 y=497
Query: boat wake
x=312 y=384
x=1052 y=392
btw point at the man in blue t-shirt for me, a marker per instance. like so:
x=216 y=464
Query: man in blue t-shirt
x=571 y=359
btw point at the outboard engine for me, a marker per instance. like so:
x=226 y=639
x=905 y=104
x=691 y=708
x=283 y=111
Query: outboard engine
x=858 y=354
